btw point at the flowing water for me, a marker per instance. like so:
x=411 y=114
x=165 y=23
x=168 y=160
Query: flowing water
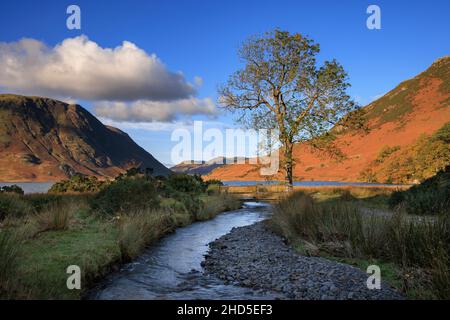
x=171 y=269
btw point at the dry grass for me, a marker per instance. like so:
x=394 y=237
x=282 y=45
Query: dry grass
x=338 y=228
x=9 y=255
x=216 y=204
x=277 y=192
x=141 y=228
x=37 y=247
x=56 y=216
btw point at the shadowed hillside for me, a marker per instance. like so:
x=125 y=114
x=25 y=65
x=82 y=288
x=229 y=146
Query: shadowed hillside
x=45 y=140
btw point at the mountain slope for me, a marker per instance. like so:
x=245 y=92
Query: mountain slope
x=418 y=106
x=43 y=139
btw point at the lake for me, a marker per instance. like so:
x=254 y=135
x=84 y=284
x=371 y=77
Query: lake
x=42 y=187
x=310 y=183
x=30 y=187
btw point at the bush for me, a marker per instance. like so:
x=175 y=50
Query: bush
x=431 y=197
x=78 y=183
x=11 y=189
x=192 y=184
x=13 y=205
x=213 y=189
x=126 y=195
x=186 y=189
x=347 y=195
x=192 y=203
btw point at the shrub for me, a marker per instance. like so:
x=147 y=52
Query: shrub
x=214 y=182
x=385 y=152
x=182 y=182
x=78 y=183
x=431 y=197
x=186 y=189
x=126 y=195
x=13 y=205
x=11 y=189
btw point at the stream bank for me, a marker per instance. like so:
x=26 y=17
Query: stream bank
x=255 y=257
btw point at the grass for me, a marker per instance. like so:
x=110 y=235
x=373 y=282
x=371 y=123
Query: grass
x=214 y=204
x=141 y=228
x=13 y=205
x=56 y=216
x=338 y=229
x=9 y=254
x=44 y=261
x=36 y=247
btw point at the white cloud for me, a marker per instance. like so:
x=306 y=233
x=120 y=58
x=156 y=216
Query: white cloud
x=145 y=110
x=79 y=68
x=147 y=126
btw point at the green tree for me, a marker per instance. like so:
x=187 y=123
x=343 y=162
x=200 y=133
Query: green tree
x=282 y=87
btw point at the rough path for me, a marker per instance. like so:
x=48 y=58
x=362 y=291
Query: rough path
x=253 y=256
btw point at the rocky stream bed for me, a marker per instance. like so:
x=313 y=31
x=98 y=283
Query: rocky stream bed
x=255 y=257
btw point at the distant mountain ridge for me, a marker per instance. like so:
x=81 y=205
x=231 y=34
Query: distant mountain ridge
x=43 y=139
x=205 y=167
x=416 y=107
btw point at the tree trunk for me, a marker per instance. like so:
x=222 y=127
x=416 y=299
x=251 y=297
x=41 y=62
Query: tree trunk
x=288 y=166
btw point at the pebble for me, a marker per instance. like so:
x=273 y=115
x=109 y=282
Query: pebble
x=255 y=257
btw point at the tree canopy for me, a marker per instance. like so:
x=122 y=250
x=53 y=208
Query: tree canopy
x=281 y=86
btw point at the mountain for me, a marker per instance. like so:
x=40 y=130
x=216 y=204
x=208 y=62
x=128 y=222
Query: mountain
x=399 y=122
x=205 y=167
x=43 y=139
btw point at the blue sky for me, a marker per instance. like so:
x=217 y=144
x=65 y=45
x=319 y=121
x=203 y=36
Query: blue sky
x=200 y=39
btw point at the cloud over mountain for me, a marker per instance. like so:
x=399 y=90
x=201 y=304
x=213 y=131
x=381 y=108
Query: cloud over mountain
x=144 y=110
x=127 y=83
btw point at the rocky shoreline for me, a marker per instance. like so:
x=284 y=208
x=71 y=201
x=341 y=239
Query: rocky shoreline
x=253 y=256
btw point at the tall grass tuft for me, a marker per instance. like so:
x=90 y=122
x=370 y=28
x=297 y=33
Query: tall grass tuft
x=141 y=228
x=13 y=206
x=9 y=254
x=56 y=216
x=216 y=204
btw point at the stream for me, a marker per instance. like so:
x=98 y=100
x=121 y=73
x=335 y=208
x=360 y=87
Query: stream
x=171 y=269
